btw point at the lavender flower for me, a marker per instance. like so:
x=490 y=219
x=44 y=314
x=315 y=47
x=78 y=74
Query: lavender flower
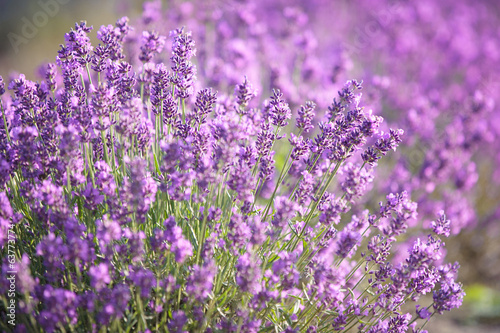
x=306 y=115
x=99 y=276
x=441 y=226
x=152 y=43
x=200 y=282
x=279 y=110
x=184 y=71
x=244 y=93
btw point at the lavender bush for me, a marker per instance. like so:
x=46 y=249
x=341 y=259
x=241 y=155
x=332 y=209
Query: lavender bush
x=144 y=201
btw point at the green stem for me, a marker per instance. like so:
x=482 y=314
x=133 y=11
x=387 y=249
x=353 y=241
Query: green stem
x=5 y=122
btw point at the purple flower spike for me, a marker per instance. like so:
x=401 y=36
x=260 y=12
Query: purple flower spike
x=184 y=71
x=244 y=93
x=279 y=111
x=306 y=116
x=99 y=276
x=441 y=226
x=152 y=43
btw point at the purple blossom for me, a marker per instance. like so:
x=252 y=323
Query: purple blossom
x=423 y=312
x=450 y=294
x=152 y=43
x=78 y=43
x=331 y=209
x=355 y=181
x=99 y=276
x=181 y=247
x=300 y=147
x=244 y=93
x=204 y=105
x=248 y=274
x=178 y=321
x=265 y=139
x=306 y=116
x=151 y=11
x=441 y=226
x=347 y=243
x=242 y=181
x=388 y=141
x=279 y=110
x=115 y=303
x=266 y=167
x=403 y=209
x=184 y=71
x=2 y=86
x=239 y=233
x=305 y=192
x=199 y=284
x=60 y=305
x=285 y=210
x=144 y=280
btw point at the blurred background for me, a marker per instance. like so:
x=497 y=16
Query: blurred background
x=31 y=32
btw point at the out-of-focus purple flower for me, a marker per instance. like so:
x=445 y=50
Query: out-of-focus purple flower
x=104 y=178
x=200 y=282
x=423 y=312
x=239 y=233
x=248 y=273
x=144 y=279
x=99 y=276
x=285 y=209
x=305 y=191
x=347 y=242
x=178 y=321
x=331 y=208
x=181 y=247
x=152 y=43
x=139 y=189
x=242 y=181
x=441 y=226
x=355 y=181
x=151 y=11
x=60 y=306
x=115 y=303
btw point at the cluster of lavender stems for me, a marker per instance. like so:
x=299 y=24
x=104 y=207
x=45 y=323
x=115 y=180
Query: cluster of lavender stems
x=154 y=185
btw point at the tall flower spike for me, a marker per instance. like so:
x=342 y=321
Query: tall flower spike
x=280 y=111
x=152 y=43
x=306 y=116
x=244 y=93
x=204 y=105
x=78 y=43
x=442 y=225
x=184 y=71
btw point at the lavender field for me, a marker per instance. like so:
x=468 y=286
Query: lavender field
x=250 y=166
